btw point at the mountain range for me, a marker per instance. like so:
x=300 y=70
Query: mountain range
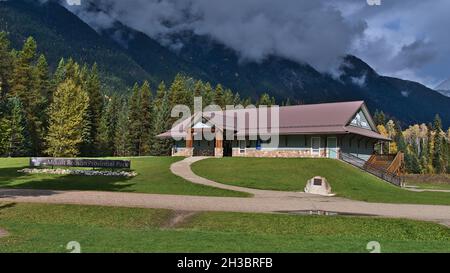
x=136 y=57
x=444 y=88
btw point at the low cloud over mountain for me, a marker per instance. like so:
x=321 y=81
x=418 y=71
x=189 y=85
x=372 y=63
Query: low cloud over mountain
x=403 y=39
x=302 y=30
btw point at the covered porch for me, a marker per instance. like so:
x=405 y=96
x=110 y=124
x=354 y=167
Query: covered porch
x=310 y=146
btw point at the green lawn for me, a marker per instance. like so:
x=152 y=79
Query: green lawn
x=292 y=175
x=154 y=176
x=430 y=186
x=48 y=228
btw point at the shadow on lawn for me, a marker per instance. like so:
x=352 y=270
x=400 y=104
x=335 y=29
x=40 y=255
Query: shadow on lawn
x=7 y=206
x=10 y=178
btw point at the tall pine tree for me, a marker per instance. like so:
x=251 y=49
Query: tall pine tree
x=12 y=127
x=107 y=127
x=67 y=120
x=438 y=150
x=145 y=141
x=23 y=86
x=161 y=122
x=6 y=64
x=135 y=121
x=122 y=133
x=93 y=88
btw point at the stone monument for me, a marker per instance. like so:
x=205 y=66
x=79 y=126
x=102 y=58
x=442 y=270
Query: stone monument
x=320 y=186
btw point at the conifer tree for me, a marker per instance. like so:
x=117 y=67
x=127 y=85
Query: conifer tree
x=161 y=92
x=43 y=85
x=412 y=160
x=379 y=118
x=6 y=64
x=145 y=142
x=93 y=88
x=401 y=144
x=59 y=75
x=438 y=150
x=424 y=164
x=237 y=99
x=180 y=94
x=228 y=98
x=135 y=121
x=23 y=86
x=43 y=77
x=12 y=126
x=161 y=123
x=265 y=99
x=67 y=114
x=199 y=89
x=103 y=147
x=208 y=96
x=438 y=160
x=246 y=102
x=446 y=156
x=219 y=96
x=121 y=136
x=107 y=127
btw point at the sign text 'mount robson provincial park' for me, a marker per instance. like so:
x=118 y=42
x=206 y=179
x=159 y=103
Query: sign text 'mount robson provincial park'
x=75 y=162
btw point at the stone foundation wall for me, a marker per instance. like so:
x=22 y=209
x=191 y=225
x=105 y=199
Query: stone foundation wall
x=278 y=153
x=218 y=152
x=186 y=152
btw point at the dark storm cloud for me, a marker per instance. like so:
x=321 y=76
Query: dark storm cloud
x=407 y=38
x=301 y=30
x=416 y=54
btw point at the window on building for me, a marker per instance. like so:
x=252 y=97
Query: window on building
x=360 y=120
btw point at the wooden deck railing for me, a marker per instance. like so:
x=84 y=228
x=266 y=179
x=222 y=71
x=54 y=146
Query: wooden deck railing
x=379 y=166
x=397 y=165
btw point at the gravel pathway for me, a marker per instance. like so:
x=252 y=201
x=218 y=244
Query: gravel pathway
x=440 y=214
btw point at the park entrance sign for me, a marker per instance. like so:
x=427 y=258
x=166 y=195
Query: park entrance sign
x=82 y=163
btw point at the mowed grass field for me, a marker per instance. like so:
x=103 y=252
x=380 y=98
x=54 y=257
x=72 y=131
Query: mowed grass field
x=154 y=176
x=49 y=228
x=293 y=174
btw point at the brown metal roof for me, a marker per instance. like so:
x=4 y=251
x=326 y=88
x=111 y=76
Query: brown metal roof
x=319 y=115
x=326 y=118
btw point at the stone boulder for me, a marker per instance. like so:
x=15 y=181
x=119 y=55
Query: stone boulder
x=320 y=186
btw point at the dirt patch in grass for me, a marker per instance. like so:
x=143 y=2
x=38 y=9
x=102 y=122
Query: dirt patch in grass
x=3 y=233
x=428 y=178
x=178 y=218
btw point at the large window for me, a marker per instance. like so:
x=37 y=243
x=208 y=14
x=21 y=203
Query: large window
x=360 y=120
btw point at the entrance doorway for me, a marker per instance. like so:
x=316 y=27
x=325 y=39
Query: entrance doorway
x=227 y=148
x=315 y=146
x=332 y=150
x=204 y=148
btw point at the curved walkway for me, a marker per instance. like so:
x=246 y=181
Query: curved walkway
x=183 y=169
x=263 y=201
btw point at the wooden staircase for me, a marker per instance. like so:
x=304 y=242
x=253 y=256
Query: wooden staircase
x=390 y=163
x=387 y=167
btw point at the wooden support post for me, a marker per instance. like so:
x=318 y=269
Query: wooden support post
x=218 y=150
x=190 y=139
